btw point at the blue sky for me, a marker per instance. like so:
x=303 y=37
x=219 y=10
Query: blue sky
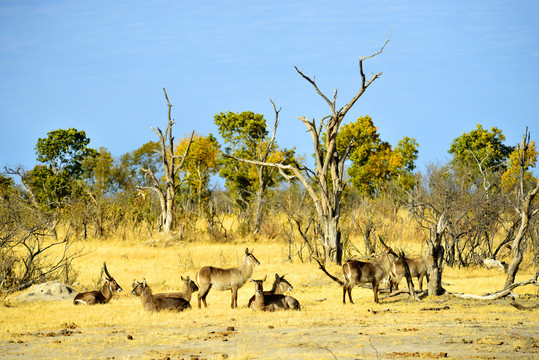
x=100 y=66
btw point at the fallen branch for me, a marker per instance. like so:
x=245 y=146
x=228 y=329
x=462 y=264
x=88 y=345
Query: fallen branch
x=524 y=307
x=435 y=308
x=499 y=294
x=374 y=312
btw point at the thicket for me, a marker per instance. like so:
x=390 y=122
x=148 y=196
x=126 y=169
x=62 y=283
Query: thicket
x=480 y=204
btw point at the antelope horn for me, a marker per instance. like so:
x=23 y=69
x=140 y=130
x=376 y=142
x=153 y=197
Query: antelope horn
x=106 y=271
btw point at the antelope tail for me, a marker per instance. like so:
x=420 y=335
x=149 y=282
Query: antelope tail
x=332 y=277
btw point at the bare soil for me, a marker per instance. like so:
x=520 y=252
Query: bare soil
x=444 y=327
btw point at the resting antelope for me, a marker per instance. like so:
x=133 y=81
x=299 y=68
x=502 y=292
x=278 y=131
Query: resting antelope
x=280 y=286
x=189 y=287
x=374 y=271
x=418 y=269
x=158 y=302
x=271 y=302
x=225 y=279
x=102 y=296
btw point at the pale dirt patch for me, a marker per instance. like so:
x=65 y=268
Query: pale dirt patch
x=460 y=329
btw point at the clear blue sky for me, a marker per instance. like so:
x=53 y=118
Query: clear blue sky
x=100 y=66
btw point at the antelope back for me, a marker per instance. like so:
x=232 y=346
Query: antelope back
x=223 y=279
x=158 y=302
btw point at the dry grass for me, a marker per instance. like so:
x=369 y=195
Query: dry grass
x=324 y=329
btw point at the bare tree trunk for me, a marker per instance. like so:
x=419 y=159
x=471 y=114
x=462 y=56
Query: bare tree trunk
x=435 y=257
x=525 y=210
x=332 y=241
x=517 y=246
x=167 y=191
x=326 y=182
x=260 y=200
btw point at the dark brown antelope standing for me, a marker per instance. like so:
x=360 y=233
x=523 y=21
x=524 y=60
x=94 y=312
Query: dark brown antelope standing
x=158 y=302
x=225 y=279
x=418 y=269
x=280 y=286
x=189 y=287
x=374 y=271
x=271 y=302
x=102 y=296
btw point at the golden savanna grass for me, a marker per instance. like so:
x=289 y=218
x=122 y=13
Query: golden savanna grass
x=323 y=329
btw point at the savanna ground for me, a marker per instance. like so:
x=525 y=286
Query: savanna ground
x=397 y=328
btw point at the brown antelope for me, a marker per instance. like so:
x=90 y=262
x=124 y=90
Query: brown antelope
x=158 y=302
x=418 y=269
x=374 y=271
x=225 y=279
x=102 y=296
x=271 y=302
x=189 y=287
x=280 y=286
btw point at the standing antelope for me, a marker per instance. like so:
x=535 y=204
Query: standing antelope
x=158 y=302
x=418 y=269
x=271 y=302
x=102 y=296
x=374 y=271
x=225 y=279
x=280 y=286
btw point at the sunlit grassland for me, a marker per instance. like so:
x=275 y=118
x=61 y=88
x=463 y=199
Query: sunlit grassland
x=163 y=266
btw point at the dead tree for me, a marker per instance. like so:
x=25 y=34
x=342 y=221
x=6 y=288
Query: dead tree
x=525 y=210
x=326 y=182
x=171 y=165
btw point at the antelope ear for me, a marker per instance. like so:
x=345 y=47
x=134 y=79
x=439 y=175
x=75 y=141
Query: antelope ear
x=247 y=250
x=276 y=276
x=264 y=279
x=143 y=282
x=184 y=279
x=251 y=280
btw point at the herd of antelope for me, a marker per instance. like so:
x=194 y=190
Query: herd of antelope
x=387 y=264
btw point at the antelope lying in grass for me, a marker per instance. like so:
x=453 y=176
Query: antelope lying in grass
x=280 y=286
x=189 y=287
x=418 y=269
x=225 y=279
x=271 y=302
x=102 y=296
x=158 y=302
x=374 y=271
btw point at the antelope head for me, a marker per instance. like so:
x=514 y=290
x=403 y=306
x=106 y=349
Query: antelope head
x=250 y=258
x=109 y=280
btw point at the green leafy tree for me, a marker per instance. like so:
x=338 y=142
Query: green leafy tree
x=481 y=149
x=200 y=164
x=247 y=137
x=51 y=185
x=375 y=162
x=103 y=181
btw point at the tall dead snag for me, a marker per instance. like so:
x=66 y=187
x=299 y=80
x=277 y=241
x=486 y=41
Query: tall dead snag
x=435 y=257
x=171 y=165
x=325 y=183
x=525 y=210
